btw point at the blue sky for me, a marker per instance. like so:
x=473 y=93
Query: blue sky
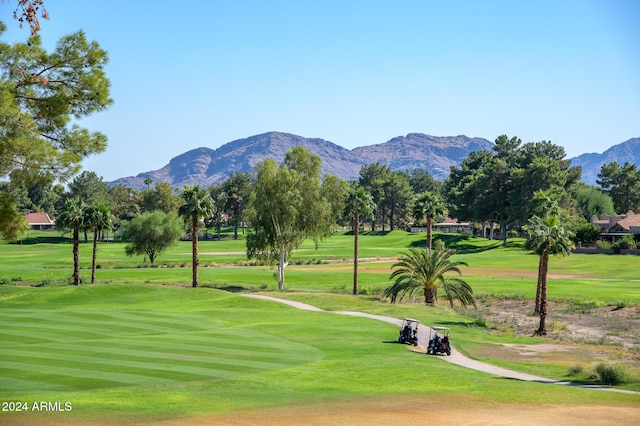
x=192 y=74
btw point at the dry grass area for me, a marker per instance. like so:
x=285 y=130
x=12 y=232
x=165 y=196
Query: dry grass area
x=598 y=325
x=411 y=411
x=581 y=337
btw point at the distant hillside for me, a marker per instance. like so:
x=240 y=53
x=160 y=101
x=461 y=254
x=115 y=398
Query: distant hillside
x=419 y=151
x=205 y=166
x=626 y=152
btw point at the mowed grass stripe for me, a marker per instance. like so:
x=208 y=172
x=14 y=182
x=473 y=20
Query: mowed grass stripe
x=170 y=321
x=64 y=380
x=173 y=322
x=239 y=338
x=88 y=331
x=22 y=336
x=134 y=372
x=250 y=341
x=98 y=373
x=84 y=328
x=17 y=384
x=196 y=365
x=167 y=348
x=136 y=323
x=56 y=329
x=82 y=351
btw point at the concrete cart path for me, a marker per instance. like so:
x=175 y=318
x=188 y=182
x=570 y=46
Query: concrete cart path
x=455 y=357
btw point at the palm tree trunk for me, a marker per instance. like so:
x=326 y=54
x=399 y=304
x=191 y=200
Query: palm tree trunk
x=356 y=222
x=76 y=257
x=95 y=255
x=194 y=250
x=503 y=230
x=429 y=236
x=282 y=263
x=541 y=267
x=544 y=260
x=429 y=296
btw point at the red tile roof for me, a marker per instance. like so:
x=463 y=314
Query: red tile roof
x=39 y=219
x=629 y=221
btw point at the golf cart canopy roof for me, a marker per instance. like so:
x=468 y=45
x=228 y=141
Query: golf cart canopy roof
x=412 y=320
x=441 y=328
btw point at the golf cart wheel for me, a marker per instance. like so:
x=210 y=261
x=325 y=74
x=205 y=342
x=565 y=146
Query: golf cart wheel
x=449 y=352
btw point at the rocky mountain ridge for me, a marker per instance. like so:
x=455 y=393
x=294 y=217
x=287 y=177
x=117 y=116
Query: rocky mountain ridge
x=625 y=152
x=205 y=166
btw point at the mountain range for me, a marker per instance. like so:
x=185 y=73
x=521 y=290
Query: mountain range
x=205 y=166
x=626 y=152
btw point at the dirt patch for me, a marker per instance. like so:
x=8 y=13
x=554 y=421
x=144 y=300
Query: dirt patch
x=577 y=335
x=569 y=322
x=413 y=410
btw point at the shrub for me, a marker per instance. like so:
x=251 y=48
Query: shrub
x=574 y=370
x=4 y=281
x=604 y=245
x=587 y=233
x=622 y=304
x=558 y=326
x=365 y=291
x=611 y=374
x=483 y=297
x=481 y=322
x=625 y=243
x=478 y=319
x=586 y=306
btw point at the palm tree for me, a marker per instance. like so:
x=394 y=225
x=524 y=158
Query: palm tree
x=424 y=270
x=98 y=218
x=429 y=206
x=197 y=204
x=546 y=237
x=148 y=181
x=359 y=204
x=543 y=204
x=72 y=216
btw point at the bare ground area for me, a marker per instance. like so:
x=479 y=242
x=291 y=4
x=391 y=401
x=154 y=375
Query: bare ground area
x=577 y=335
x=413 y=411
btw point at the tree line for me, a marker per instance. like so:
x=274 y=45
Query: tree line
x=487 y=188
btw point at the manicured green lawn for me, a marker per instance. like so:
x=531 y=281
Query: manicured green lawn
x=493 y=269
x=151 y=352
x=141 y=345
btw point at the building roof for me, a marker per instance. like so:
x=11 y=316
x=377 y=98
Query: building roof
x=39 y=219
x=631 y=221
